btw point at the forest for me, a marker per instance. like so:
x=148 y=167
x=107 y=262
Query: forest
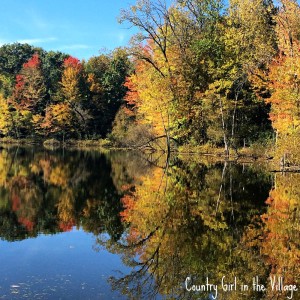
x=200 y=73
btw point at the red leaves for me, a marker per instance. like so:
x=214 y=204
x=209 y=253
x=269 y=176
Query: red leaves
x=72 y=62
x=19 y=82
x=33 y=62
x=29 y=87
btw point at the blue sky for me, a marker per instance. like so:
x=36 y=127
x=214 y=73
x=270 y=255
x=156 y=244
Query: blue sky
x=79 y=27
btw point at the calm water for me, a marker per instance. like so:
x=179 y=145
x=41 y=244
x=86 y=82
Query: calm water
x=85 y=225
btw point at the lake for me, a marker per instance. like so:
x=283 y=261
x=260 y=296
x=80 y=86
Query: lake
x=122 y=225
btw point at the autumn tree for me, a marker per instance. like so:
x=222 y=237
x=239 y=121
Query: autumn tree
x=190 y=75
x=285 y=117
x=106 y=75
x=251 y=21
x=230 y=94
x=5 y=85
x=29 y=94
x=162 y=55
x=283 y=83
x=70 y=80
x=287 y=27
x=71 y=90
x=153 y=105
x=58 y=120
x=30 y=87
x=5 y=117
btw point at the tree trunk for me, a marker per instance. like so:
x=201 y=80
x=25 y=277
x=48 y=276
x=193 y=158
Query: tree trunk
x=224 y=129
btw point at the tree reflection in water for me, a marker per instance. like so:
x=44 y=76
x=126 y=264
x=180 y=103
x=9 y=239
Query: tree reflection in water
x=167 y=221
x=208 y=221
x=278 y=236
x=48 y=192
x=189 y=220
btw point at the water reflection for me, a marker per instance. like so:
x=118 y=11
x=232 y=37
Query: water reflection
x=188 y=220
x=278 y=237
x=49 y=192
x=168 y=221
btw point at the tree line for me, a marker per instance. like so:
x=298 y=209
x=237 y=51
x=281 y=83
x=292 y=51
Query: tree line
x=52 y=94
x=223 y=75
x=199 y=72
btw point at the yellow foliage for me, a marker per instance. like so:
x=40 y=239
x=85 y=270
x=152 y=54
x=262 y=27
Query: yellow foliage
x=59 y=176
x=154 y=98
x=4 y=168
x=70 y=84
x=95 y=87
x=285 y=104
x=5 y=117
x=66 y=206
x=58 y=117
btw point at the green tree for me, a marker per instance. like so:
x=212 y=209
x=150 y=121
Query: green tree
x=13 y=56
x=106 y=75
x=52 y=68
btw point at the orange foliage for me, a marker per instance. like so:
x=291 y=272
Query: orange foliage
x=280 y=232
x=132 y=93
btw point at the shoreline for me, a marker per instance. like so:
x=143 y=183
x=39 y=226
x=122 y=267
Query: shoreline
x=246 y=155
x=103 y=144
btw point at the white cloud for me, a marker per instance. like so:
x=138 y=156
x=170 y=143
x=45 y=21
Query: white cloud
x=37 y=41
x=74 y=46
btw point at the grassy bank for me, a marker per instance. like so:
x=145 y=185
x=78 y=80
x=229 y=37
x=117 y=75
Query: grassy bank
x=19 y=142
x=254 y=152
